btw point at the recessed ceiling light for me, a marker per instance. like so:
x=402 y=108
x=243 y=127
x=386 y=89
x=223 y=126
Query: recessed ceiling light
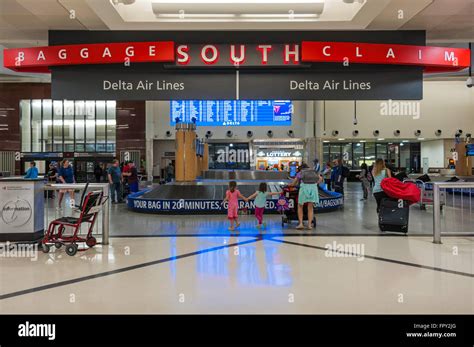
x=380 y=139
x=341 y=139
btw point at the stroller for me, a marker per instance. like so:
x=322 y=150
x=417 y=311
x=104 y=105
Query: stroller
x=290 y=213
x=89 y=210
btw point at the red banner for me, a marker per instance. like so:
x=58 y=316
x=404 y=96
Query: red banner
x=39 y=59
x=434 y=59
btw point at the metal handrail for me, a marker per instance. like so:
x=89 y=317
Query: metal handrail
x=105 y=210
x=436 y=204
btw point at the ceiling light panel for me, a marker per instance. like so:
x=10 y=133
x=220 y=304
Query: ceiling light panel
x=240 y=7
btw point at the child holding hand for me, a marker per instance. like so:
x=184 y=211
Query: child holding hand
x=232 y=195
x=260 y=197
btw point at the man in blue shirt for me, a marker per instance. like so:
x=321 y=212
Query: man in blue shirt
x=65 y=175
x=32 y=172
x=115 y=180
x=338 y=174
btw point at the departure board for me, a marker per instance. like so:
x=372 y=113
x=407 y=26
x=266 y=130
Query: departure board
x=232 y=112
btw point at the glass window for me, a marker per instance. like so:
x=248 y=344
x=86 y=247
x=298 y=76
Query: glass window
x=100 y=126
x=370 y=153
x=325 y=152
x=47 y=125
x=335 y=151
x=25 y=123
x=405 y=162
x=90 y=126
x=393 y=154
x=67 y=126
x=69 y=110
x=347 y=154
x=111 y=124
x=80 y=135
x=358 y=159
x=57 y=126
x=229 y=156
x=36 y=126
x=381 y=150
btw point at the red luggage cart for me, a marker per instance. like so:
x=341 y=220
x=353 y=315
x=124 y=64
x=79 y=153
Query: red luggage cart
x=91 y=206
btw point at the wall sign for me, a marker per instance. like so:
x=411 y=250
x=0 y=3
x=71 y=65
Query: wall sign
x=327 y=85
x=39 y=59
x=138 y=83
x=136 y=202
x=434 y=59
x=278 y=153
x=209 y=65
x=237 y=55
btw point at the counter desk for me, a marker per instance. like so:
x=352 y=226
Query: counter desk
x=21 y=209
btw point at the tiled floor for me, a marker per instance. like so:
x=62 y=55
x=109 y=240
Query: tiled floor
x=196 y=266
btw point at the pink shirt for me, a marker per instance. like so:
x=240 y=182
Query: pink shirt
x=233 y=197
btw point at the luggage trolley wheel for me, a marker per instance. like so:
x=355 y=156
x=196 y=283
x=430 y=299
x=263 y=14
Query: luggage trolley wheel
x=45 y=248
x=91 y=241
x=71 y=249
x=58 y=245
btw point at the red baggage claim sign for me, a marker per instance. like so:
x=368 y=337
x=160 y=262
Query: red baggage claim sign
x=40 y=59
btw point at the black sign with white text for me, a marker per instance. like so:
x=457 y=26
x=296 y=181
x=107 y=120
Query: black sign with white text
x=206 y=65
x=321 y=85
x=141 y=84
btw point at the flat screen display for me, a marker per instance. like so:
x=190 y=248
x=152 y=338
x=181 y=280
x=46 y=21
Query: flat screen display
x=232 y=112
x=470 y=150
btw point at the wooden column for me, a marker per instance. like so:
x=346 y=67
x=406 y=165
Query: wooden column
x=179 y=158
x=190 y=155
x=464 y=163
x=205 y=157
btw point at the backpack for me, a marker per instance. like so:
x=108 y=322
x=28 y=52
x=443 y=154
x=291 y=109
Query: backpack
x=309 y=176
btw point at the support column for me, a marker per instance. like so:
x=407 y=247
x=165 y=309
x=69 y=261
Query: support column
x=190 y=161
x=205 y=157
x=149 y=159
x=179 y=157
x=464 y=163
x=310 y=151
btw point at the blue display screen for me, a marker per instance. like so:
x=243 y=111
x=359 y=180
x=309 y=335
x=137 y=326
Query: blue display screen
x=232 y=112
x=470 y=150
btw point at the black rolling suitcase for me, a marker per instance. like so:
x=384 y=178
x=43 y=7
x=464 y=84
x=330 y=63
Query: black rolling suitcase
x=393 y=216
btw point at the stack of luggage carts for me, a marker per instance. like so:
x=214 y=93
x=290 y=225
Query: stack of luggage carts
x=394 y=209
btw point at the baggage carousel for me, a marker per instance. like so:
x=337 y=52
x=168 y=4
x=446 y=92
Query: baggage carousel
x=205 y=197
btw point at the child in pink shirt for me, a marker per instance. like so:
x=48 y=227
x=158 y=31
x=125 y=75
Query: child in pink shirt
x=232 y=196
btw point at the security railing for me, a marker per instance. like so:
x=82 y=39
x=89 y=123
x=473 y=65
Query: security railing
x=457 y=198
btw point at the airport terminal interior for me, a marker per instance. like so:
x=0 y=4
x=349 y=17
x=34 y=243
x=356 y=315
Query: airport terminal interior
x=169 y=156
